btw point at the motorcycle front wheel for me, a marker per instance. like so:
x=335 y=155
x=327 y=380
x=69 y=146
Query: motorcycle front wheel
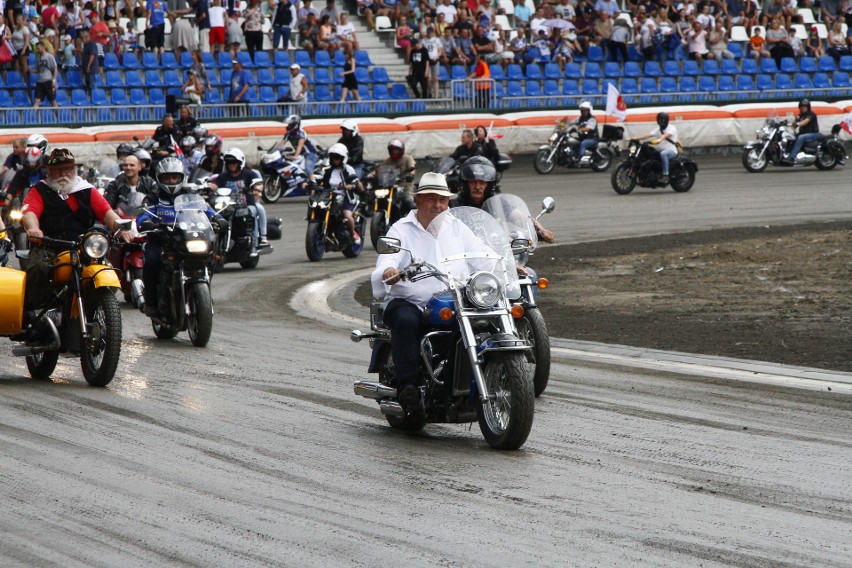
x=199 y=322
x=682 y=181
x=272 y=189
x=315 y=241
x=100 y=354
x=601 y=160
x=378 y=227
x=622 y=180
x=825 y=159
x=753 y=162
x=41 y=366
x=541 y=163
x=505 y=419
x=532 y=328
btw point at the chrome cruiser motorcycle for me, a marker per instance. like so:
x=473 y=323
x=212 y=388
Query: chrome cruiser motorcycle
x=473 y=359
x=644 y=168
x=562 y=149
x=777 y=137
x=515 y=218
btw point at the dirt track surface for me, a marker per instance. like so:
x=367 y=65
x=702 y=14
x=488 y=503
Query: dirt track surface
x=779 y=294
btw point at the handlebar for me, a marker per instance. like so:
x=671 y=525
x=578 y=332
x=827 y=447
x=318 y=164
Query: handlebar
x=50 y=242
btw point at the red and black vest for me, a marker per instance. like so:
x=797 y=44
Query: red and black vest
x=58 y=221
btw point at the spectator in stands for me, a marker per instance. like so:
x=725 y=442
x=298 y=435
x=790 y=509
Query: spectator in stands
x=241 y=81
x=814 y=45
x=234 y=35
x=464 y=53
x=708 y=22
x=48 y=73
x=327 y=39
x=481 y=77
x=757 y=44
x=645 y=28
x=404 y=34
x=537 y=23
x=482 y=44
x=836 y=41
x=307 y=8
x=584 y=24
x=350 y=82
x=521 y=13
x=21 y=43
x=309 y=34
x=50 y=21
x=778 y=41
x=331 y=11
x=193 y=88
x=218 y=24
x=183 y=34
x=74 y=21
x=750 y=14
x=90 y=64
x=519 y=47
x=846 y=10
x=441 y=25
x=157 y=10
x=796 y=43
x=602 y=32
x=346 y=34
x=284 y=19
x=166 y=132
x=771 y=9
x=448 y=46
x=200 y=70
x=253 y=28
x=719 y=44
x=504 y=56
x=543 y=45
x=696 y=39
x=369 y=9
x=610 y=6
x=463 y=21
x=418 y=70
x=619 y=40
x=449 y=11
x=130 y=40
x=405 y=8
x=298 y=93
x=202 y=23
x=436 y=51
x=386 y=8
x=566 y=10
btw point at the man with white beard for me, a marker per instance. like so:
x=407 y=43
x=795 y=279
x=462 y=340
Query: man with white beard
x=61 y=206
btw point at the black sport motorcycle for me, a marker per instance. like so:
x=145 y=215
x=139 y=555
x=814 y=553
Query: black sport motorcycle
x=327 y=230
x=776 y=138
x=472 y=357
x=562 y=149
x=183 y=293
x=236 y=243
x=643 y=167
x=389 y=202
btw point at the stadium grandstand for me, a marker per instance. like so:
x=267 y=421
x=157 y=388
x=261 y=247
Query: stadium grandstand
x=539 y=55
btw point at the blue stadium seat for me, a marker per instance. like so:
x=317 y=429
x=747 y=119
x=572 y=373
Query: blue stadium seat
x=169 y=61
x=458 y=73
x=803 y=81
x=767 y=65
x=514 y=89
x=788 y=65
x=514 y=72
x=149 y=60
x=633 y=69
x=114 y=79
x=690 y=67
x=214 y=96
x=380 y=92
x=209 y=61
x=339 y=58
x=736 y=48
x=156 y=97
x=727 y=86
x=267 y=95
x=281 y=59
x=79 y=98
x=362 y=75
x=687 y=84
x=745 y=83
x=174 y=91
x=652 y=69
x=61 y=98
x=730 y=67
x=711 y=67
x=571 y=88
x=613 y=69
x=532 y=89
x=591 y=87
x=826 y=63
x=633 y=54
x=596 y=53
x=399 y=92
x=551 y=71
x=648 y=85
x=442 y=74
x=322 y=93
x=750 y=66
x=138 y=98
x=629 y=86
x=337 y=75
x=21 y=98
x=808 y=65
x=668 y=86
x=764 y=82
x=592 y=70
x=224 y=60
x=322 y=59
x=14 y=80
x=99 y=97
x=497 y=73
x=783 y=81
x=820 y=81
x=264 y=76
x=251 y=95
x=671 y=68
x=380 y=75
x=186 y=60
x=282 y=76
x=573 y=71
x=362 y=58
x=171 y=78
x=841 y=80
x=551 y=88
x=303 y=58
x=846 y=63
x=707 y=83
x=130 y=60
x=110 y=61
x=5 y=98
x=321 y=76
x=533 y=72
x=153 y=79
x=244 y=58
x=118 y=97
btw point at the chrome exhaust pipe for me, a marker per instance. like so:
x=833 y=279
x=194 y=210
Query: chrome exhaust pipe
x=376 y=391
x=136 y=290
x=391 y=408
x=27 y=350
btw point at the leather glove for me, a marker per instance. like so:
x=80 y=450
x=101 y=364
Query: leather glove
x=220 y=224
x=148 y=225
x=5 y=244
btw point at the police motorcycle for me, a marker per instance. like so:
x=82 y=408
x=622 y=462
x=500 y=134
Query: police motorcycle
x=284 y=175
x=644 y=168
x=473 y=359
x=183 y=293
x=776 y=138
x=389 y=205
x=81 y=319
x=517 y=222
x=562 y=149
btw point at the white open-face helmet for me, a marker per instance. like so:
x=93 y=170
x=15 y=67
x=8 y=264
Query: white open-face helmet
x=350 y=125
x=585 y=105
x=234 y=155
x=37 y=141
x=338 y=150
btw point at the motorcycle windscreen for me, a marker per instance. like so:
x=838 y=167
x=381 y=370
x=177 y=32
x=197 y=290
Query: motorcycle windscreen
x=444 y=165
x=190 y=215
x=386 y=176
x=513 y=215
x=469 y=240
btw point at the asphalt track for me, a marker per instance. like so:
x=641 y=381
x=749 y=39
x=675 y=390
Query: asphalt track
x=255 y=452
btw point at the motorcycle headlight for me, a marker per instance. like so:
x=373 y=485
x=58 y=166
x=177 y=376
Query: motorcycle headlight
x=197 y=246
x=553 y=137
x=382 y=193
x=15 y=215
x=483 y=290
x=96 y=246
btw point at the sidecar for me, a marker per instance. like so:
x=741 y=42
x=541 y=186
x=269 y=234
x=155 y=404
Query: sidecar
x=12 y=286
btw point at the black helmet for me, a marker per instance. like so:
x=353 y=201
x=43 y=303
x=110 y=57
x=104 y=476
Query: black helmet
x=124 y=149
x=805 y=103
x=477 y=168
x=663 y=120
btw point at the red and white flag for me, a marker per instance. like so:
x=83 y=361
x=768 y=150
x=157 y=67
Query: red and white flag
x=491 y=134
x=176 y=146
x=615 y=103
x=847 y=123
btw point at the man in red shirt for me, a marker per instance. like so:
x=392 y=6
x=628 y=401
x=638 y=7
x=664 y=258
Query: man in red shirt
x=61 y=206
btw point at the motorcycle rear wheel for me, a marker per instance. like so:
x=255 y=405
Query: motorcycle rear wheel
x=250 y=263
x=386 y=377
x=506 y=418
x=163 y=331
x=751 y=162
x=825 y=159
x=682 y=181
x=532 y=328
x=622 y=182
x=100 y=359
x=601 y=164
x=200 y=321
x=314 y=241
x=378 y=227
x=272 y=189
x=41 y=366
x=541 y=164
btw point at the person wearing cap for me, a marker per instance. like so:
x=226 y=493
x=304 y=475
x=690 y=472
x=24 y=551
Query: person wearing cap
x=298 y=93
x=61 y=206
x=193 y=88
x=814 y=46
x=240 y=83
x=354 y=142
x=418 y=69
x=404 y=299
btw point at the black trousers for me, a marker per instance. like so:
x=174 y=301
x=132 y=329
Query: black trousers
x=405 y=321
x=414 y=81
x=151 y=268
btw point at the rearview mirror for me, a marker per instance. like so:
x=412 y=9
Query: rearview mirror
x=387 y=245
x=520 y=246
x=548 y=204
x=123 y=224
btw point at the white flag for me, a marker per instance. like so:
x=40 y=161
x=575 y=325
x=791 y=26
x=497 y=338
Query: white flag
x=614 y=103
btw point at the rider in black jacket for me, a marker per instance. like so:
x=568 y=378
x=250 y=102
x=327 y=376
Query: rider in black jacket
x=354 y=142
x=130 y=179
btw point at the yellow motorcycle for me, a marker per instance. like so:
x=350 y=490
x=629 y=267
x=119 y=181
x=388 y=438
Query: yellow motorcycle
x=81 y=319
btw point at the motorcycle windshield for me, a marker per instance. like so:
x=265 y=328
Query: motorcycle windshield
x=190 y=213
x=386 y=176
x=469 y=240
x=514 y=216
x=444 y=165
x=131 y=205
